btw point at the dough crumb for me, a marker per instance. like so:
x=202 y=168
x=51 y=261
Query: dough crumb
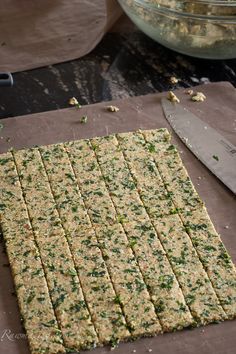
x=172 y=97
x=74 y=102
x=189 y=92
x=149 y=350
x=226 y=226
x=112 y=109
x=198 y=97
x=173 y=80
x=83 y=119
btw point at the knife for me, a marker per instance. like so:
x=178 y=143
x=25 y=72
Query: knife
x=210 y=147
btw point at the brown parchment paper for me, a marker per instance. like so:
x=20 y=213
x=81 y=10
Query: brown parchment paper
x=140 y=112
x=38 y=33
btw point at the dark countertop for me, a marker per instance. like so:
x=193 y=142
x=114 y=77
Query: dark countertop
x=121 y=65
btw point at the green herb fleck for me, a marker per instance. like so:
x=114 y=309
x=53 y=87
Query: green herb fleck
x=99 y=193
x=114 y=342
x=209 y=248
x=29 y=178
x=72 y=272
x=51 y=267
x=30 y=298
x=166 y=281
x=49 y=323
x=37 y=272
x=171 y=147
x=26 y=253
x=103 y=314
x=121 y=218
x=190 y=299
x=96 y=273
x=79 y=306
x=69 y=175
x=160 y=307
x=117 y=300
x=132 y=243
x=151 y=147
x=59 y=300
x=78 y=105
x=4 y=161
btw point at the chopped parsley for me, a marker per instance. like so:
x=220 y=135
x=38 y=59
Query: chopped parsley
x=215 y=157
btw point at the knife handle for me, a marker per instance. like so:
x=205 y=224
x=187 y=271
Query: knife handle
x=6 y=80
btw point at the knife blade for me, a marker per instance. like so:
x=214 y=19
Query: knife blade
x=211 y=148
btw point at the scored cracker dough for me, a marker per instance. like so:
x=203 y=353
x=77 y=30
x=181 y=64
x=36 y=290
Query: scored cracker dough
x=62 y=279
x=214 y=257
x=108 y=240
x=173 y=173
x=31 y=287
x=99 y=293
x=123 y=270
x=203 y=302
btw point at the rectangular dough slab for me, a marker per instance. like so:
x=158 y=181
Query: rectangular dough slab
x=31 y=287
x=64 y=286
x=99 y=293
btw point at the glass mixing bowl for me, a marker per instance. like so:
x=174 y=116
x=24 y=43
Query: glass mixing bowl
x=200 y=28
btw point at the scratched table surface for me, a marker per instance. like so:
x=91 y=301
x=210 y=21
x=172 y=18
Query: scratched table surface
x=123 y=64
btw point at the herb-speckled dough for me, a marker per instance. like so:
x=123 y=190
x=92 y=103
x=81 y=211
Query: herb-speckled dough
x=108 y=240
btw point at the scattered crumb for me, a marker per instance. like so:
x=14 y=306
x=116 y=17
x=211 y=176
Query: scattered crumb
x=150 y=350
x=173 y=80
x=198 y=97
x=199 y=177
x=84 y=119
x=8 y=140
x=189 y=92
x=226 y=226
x=74 y=102
x=172 y=97
x=112 y=109
x=134 y=350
